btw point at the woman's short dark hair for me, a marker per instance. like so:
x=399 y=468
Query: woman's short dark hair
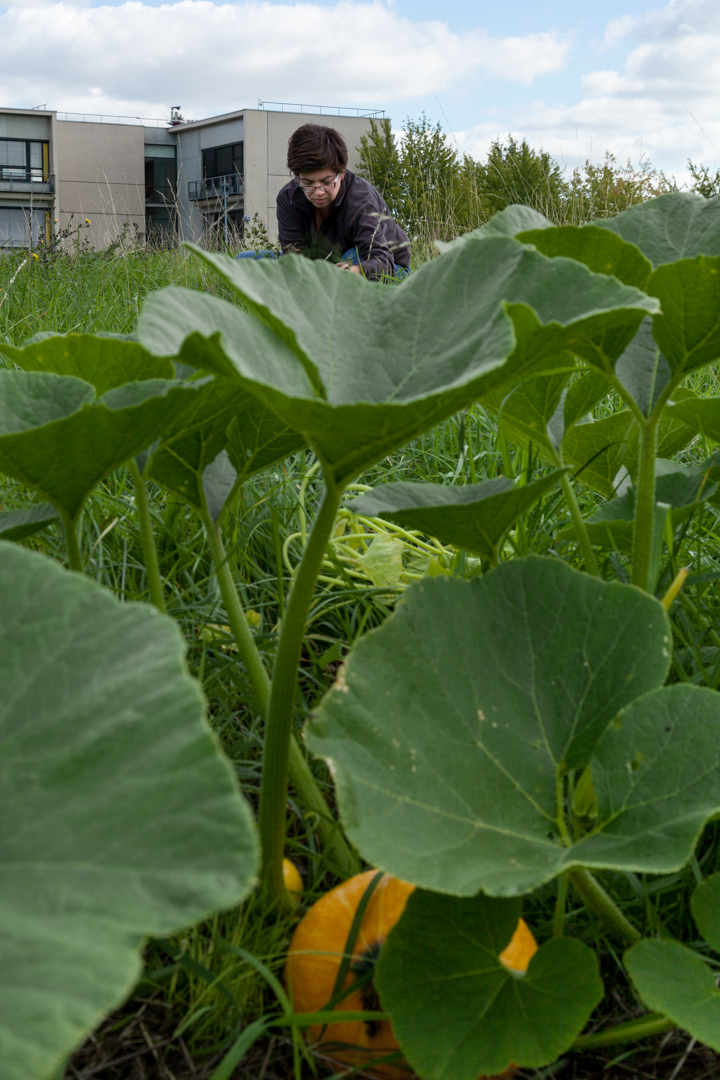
x=313 y=147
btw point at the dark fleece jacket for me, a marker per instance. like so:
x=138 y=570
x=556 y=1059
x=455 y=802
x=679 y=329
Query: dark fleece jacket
x=359 y=217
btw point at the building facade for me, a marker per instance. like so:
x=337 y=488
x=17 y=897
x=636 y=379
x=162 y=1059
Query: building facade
x=161 y=181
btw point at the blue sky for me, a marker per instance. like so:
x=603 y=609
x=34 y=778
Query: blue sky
x=635 y=77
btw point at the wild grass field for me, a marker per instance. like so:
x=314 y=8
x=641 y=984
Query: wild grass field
x=182 y=1016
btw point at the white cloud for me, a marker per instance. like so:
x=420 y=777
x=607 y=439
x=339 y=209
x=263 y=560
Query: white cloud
x=136 y=58
x=664 y=104
x=617 y=30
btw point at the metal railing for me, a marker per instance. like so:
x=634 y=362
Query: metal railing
x=215 y=187
x=102 y=118
x=27 y=183
x=331 y=110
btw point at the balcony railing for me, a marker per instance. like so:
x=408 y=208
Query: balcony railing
x=215 y=187
x=23 y=182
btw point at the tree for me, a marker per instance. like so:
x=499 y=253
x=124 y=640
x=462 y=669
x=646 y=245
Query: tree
x=703 y=183
x=600 y=191
x=515 y=173
x=380 y=163
x=417 y=175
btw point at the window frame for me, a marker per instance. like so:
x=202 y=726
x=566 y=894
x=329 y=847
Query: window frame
x=32 y=174
x=207 y=175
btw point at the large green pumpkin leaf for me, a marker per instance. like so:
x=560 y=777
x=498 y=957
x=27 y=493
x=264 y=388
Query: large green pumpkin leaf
x=679 y=487
x=688 y=330
x=674 y=980
x=105 y=361
x=679 y=235
x=583 y=394
x=359 y=368
x=258 y=438
x=676 y=226
x=705 y=906
x=19 y=524
x=601 y=251
x=452 y=722
x=57 y=438
x=656 y=773
x=599 y=449
x=605 y=453
x=526 y=409
x=253 y=436
x=180 y=464
x=473 y=516
x=643 y=370
x=458 y=1011
x=120 y=817
x=700 y=414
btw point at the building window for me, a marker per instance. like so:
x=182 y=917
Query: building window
x=160 y=175
x=160 y=226
x=223 y=161
x=23 y=226
x=24 y=159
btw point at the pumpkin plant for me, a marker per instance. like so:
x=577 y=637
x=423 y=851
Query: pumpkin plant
x=356 y=389
x=180 y=443
x=670 y=248
x=121 y=818
x=494 y=735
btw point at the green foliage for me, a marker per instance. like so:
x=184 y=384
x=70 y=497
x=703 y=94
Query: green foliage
x=443 y=960
x=479 y=802
x=59 y=439
x=604 y=190
x=675 y=981
x=516 y=174
x=493 y=734
x=703 y=182
x=120 y=817
x=473 y=516
x=437 y=194
x=18 y=524
x=352 y=416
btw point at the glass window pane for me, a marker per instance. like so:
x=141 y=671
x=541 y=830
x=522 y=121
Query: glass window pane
x=14 y=222
x=224 y=160
x=36 y=155
x=12 y=153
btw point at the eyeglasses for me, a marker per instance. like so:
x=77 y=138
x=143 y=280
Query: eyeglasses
x=322 y=185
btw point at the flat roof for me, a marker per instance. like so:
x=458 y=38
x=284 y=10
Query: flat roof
x=185 y=125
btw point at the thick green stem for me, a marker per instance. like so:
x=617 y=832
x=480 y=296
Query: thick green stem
x=559 y=917
x=603 y=905
x=301 y=777
x=644 y=505
x=71 y=526
x=148 y=539
x=643 y=1028
x=273 y=795
x=582 y=534
x=244 y=640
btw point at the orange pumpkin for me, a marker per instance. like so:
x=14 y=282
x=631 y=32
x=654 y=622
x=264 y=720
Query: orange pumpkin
x=316 y=952
x=293 y=879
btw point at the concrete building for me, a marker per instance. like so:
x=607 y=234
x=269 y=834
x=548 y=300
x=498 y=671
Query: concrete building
x=165 y=181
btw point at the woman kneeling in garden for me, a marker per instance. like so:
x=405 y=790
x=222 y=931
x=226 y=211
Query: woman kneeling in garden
x=327 y=212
